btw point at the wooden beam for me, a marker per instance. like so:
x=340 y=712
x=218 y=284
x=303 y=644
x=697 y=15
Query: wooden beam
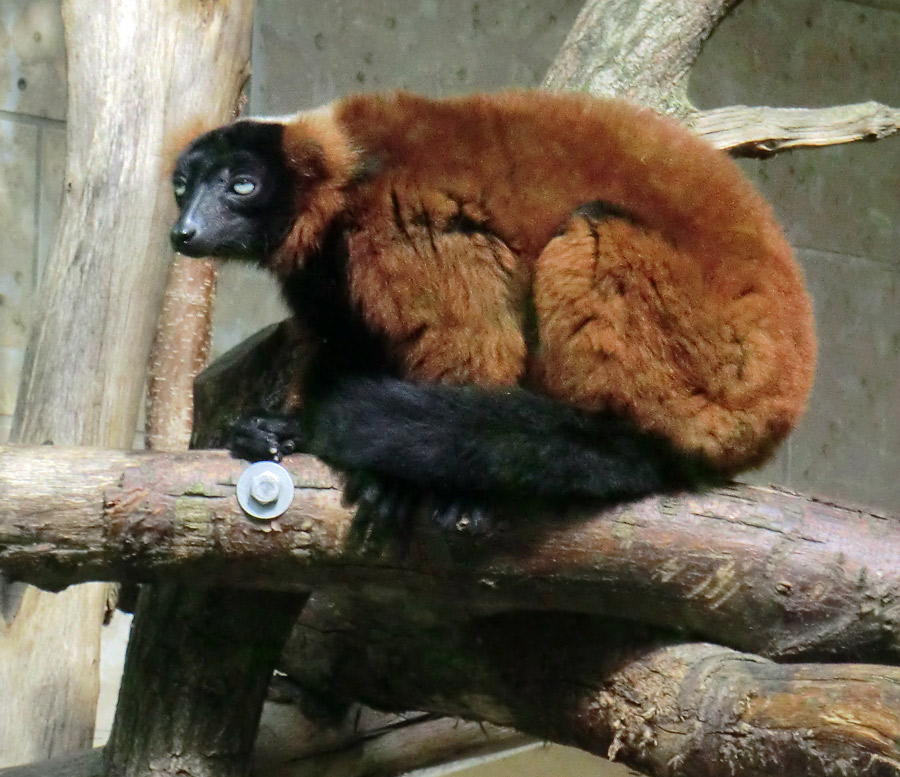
x=758 y=569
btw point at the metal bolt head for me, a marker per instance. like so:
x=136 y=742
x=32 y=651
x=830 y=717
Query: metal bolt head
x=264 y=488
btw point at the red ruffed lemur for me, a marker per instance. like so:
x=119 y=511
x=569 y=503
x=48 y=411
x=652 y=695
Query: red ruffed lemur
x=519 y=294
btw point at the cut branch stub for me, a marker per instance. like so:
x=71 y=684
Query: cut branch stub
x=762 y=131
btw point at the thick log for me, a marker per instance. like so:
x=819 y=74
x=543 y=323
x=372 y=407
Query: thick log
x=668 y=710
x=758 y=569
x=133 y=82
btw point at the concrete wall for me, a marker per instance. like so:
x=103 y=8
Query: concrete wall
x=840 y=206
x=32 y=155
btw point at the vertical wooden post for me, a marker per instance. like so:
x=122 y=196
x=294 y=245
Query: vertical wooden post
x=199 y=660
x=198 y=667
x=138 y=73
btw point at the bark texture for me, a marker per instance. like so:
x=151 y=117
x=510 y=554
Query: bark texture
x=85 y=365
x=198 y=666
x=667 y=709
x=762 y=131
x=757 y=569
x=129 y=91
x=642 y=51
x=180 y=351
x=199 y=660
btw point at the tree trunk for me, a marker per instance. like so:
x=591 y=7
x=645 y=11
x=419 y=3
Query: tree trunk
x=137 y=73
x=199 y=660
x=640 y=50
x=85 y=363
x=198 y=666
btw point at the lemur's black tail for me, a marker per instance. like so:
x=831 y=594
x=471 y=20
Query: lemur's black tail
x=470 y=440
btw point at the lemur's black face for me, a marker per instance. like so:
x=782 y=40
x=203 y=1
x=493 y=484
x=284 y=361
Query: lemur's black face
x=234 y=193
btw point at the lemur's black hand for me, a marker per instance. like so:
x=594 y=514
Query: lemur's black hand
x=266 y=437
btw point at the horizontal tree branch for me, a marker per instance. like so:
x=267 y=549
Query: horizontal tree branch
x=645 y=52
x=758 y=569
x=669 y=710
x=755 y=131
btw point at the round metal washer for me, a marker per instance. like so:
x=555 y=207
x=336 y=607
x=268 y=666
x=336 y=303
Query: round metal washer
x=271 y=479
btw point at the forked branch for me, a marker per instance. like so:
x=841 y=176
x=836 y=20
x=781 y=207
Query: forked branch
x=645 y=51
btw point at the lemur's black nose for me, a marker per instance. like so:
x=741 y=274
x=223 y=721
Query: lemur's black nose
x=181 y=235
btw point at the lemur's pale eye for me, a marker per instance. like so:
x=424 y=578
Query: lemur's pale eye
x=179 y=186
x=243 y=186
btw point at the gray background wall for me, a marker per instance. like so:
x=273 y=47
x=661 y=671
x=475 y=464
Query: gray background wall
x=841 y=209
x=840 y=206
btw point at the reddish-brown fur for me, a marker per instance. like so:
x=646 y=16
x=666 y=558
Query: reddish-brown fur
x=692 y=317
x=176 y=140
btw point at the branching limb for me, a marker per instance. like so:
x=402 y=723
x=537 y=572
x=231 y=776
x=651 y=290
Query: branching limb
x=645 y=51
